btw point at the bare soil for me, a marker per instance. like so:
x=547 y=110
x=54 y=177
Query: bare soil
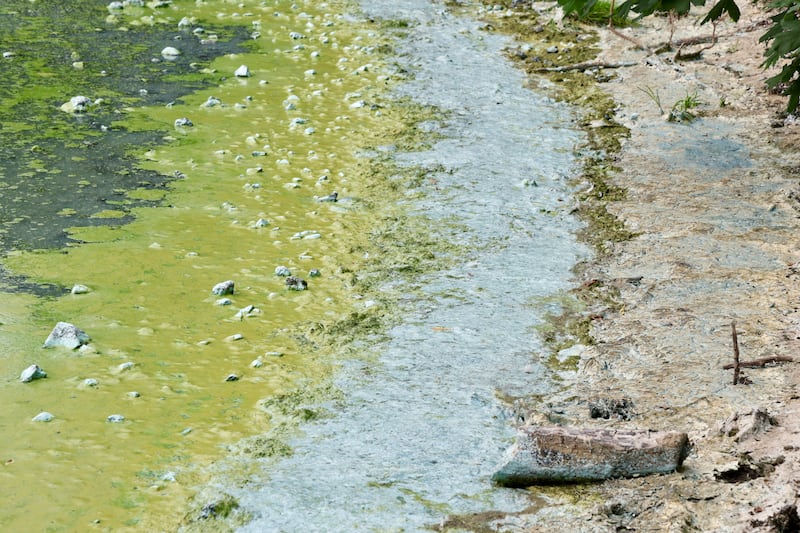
x=713 y=204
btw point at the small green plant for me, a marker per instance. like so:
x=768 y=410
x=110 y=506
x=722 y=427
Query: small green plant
x=654 y=96
x=681 y=111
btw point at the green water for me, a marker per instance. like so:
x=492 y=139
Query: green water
x=150 y=217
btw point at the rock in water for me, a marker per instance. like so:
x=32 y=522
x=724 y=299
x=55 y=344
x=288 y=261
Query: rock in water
x=31 y=373
x=546 y=455
x=65 y=334
x=223 y=288
x=296 y=284
x=44 y=416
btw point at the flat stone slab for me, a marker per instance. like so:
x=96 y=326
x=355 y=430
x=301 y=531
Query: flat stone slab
x=547 y=455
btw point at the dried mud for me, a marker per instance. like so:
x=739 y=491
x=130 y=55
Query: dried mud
x=712 y=214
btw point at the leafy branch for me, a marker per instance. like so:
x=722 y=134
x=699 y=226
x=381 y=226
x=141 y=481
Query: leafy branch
x=782 y=38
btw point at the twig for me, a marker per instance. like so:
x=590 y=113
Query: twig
x=760 y=363
x=735 y=353
x=586 y=66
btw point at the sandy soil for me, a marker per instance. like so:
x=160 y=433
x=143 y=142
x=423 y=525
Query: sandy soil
x=714 y=204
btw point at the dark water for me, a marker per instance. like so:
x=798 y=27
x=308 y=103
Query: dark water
x=58 y=169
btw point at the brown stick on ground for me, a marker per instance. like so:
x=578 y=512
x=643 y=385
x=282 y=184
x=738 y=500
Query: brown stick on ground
x=758 y=363
x=735 y=353
x=586 y=66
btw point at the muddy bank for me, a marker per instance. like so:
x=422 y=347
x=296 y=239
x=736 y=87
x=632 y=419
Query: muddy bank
x=710 y=208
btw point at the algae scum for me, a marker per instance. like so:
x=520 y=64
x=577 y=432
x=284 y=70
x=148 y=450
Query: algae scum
x=219 y=164
x=150 y=216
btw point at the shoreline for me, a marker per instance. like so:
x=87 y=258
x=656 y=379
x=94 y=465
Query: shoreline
x=711 y=211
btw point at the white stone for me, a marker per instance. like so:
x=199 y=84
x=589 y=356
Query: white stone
x=67 y=335
x=242 y=72
x=31 y=373
x=170 y=52
x=44 y=416
x=80 y=289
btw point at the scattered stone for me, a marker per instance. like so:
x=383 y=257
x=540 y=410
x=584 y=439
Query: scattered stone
x=747 y=469
x=183 y=122
x=242 y=72
x=296 y=35
x=186 y=431
x=77 y=104
x=211 y=102
x=606 y=408
x=257 y=363
x=44 y=416
x=247 y=311
x=134 y=394
x=294 y=283
x=552 y=50
x=80 y=289
x=90 y=382
x=31 y=373
x=744 y=426
x=223 y=301
x=125 y=366
x=261 y=223
x=282 y=271
x=234 y=337
x=332 y=197
x=170 y=52
x=232 y=377
x=565 y=455
x=314 y=273
x=115 y=419
x=223 y=288
x=67 y=335
x=218 y=509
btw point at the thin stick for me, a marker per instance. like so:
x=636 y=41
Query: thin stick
x=759 y=363
x=586 y=66
x=735 y=353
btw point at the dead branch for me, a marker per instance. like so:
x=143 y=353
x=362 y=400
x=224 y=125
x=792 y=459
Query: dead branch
x=735 y=353
x=586 y=66
x=760 y=363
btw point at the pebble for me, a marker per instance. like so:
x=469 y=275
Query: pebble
x=77 y=104
x=232 y=377
x=223 y=288
x=552 y=50
x=296 y=35
x=294 y=283
x=211 y=102
x=90 y=382
x=80 y=289
x=282 y=271
x=31 y=373
x=257 y=363
x=261 y=223
x=134 y=394
x=242 y=72
x=44 y=416
x=306 y=234
x=170 y=52
x=223 y=301
x=332 y=197
x=115 y=419
x=235 y=337
x=314 y=273
x=183 y=122
x=247 y=311
x=125 y=366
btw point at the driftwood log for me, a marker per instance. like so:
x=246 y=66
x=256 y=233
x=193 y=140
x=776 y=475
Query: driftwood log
x=547 y=455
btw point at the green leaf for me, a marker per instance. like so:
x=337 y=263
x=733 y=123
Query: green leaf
x=721 y=7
